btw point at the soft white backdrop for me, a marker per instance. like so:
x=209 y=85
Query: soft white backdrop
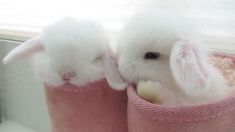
x=35 y=14
x=32 y=15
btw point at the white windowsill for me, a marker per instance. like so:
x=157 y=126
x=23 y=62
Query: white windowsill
x=217 y=43
x=10 y=126
x=17 y=34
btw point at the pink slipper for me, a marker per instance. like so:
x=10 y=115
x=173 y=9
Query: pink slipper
x=91 y=108
x=146 y=117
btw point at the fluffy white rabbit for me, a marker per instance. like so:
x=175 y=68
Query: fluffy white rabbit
x=69 y=51
x=160 y=47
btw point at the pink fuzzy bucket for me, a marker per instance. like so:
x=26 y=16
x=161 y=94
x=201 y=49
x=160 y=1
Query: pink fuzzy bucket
x=216 y=117
x=91 y=108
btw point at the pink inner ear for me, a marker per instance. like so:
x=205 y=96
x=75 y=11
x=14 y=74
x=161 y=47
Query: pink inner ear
x=198 y=60
x=188 y=66
x=24 y=50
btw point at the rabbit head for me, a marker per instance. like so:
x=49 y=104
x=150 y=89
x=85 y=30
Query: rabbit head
x=67 y=51
x=160 y=47
x=144 y=47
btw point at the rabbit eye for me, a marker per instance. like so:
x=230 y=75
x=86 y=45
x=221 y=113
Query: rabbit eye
x=98 y=59
x=152 y=55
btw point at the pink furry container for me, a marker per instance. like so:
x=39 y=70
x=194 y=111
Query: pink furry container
x=91 y=108
x=144 y=116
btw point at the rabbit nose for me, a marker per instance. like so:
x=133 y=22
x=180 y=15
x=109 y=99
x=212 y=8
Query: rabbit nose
x=68 y=76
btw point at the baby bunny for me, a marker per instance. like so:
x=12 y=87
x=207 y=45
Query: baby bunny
x=69 y=52
x=160 y=47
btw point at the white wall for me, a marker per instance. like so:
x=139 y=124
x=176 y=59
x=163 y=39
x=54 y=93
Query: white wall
x=22 y=97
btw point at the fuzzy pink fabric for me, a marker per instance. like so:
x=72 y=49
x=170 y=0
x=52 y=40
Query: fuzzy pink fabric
x=226 y=64
x=144 y=116
x=92 y=108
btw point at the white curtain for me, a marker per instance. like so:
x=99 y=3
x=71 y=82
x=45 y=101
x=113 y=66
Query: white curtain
x=217 y=15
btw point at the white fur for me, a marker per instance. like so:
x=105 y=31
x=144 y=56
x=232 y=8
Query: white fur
x=71 y=51
x=161 y=32
x=71 y=46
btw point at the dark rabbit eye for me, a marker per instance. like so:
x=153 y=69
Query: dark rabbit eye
x=152 y=55
x=98 y=59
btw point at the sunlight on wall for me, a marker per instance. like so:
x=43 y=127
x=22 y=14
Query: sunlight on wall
x=33 y=14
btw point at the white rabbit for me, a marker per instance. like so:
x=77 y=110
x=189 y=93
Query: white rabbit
x=160 y=47
x=69 y=51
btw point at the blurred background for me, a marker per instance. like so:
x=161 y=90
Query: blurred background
x=22 y=100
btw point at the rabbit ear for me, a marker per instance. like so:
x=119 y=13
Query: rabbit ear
x=189 y=67
x=111 y=72
x=24 y=50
